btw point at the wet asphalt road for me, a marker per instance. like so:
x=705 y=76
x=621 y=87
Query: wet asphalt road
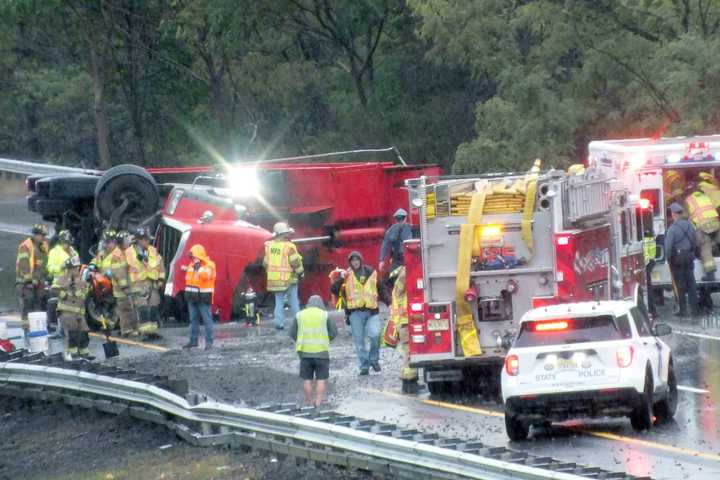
x=688 y=448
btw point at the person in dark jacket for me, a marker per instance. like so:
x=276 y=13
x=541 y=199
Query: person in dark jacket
x=361 y=306
x=392 y=245
x=313 y=330
x=680 y=245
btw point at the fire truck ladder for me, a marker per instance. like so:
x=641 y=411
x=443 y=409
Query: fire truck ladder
x=587 y=199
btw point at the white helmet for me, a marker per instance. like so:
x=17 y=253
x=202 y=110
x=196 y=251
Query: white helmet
x=282 y=228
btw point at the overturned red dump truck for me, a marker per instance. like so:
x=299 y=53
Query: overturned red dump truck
x=334 y=207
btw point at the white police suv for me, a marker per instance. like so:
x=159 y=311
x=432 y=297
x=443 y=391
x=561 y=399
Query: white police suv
x=583 y=360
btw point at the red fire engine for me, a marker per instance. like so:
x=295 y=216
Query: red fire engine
x=493 y=247
x=335 y=207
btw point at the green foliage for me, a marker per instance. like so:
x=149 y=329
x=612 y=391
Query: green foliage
x=471 y=85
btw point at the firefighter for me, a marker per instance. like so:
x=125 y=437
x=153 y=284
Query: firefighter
x=72 y=290
x=313 y=330
x=147 y=276
x=674 y=185
x=284 y=268
x=200 y=276
x=709 y=185
x=31 y=272
x=113 y=263
x=399 y=317
x=57 y=257
x=361 y=305
x=705 y=218
x=680 y=244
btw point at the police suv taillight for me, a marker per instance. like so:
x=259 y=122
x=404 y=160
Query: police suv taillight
x=624 y=356
x=512 y=365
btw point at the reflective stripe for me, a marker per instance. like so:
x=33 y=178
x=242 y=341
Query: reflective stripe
x=702 y=212
x=312 y=333
x=358 y=294
x=398 y=306
x=649 y=249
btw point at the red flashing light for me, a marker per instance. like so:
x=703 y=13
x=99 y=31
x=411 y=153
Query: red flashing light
x=512 y=365
x=645 y=203
x=563 y=240
x=553 y=326
x=416 y=307
x=624 y=356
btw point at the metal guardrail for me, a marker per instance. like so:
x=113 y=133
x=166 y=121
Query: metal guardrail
x=31 y=168
x=304 y=433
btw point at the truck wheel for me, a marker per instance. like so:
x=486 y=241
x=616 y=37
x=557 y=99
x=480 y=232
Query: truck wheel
x=516 y=429
x=665 y=409
x=131 y=183
x=641 y=417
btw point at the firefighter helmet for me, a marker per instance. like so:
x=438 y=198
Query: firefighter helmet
x=109 y=236
x=282 y=228
x=141 y=233
x=65 y=236
x=39 y=229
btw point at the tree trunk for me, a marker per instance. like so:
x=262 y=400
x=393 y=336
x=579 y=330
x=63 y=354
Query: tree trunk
x=101 y=124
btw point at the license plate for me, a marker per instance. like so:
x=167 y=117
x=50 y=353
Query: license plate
x=563 y=364
x=435 y=324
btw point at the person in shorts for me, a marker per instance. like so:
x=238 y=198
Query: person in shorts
x=312 y=330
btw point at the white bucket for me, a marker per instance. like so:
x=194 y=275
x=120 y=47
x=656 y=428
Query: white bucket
x=39 y=343
x=37 y=321
x=3 y=330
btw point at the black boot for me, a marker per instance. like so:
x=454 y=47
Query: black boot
x=410 y=387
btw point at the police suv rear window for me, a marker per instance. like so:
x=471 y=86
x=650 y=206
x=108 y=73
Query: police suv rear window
x=571 y=330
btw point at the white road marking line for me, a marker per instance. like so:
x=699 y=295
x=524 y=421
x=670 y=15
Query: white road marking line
x=697 y=335
x=692 y=389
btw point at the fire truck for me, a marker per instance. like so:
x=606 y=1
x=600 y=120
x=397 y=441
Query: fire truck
x=644 y=167
x=335 y=207
x=492 y=247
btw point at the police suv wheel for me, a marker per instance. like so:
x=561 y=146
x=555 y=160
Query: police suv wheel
x=641 y=417
x=665 y=409
x=516 y=429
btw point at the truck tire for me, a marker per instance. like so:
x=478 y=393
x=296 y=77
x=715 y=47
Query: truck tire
x=126 y=182
x=516 y=429
x=51 y=207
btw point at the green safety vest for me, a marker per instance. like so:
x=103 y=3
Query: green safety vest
x=312 y=333
x=649 y=249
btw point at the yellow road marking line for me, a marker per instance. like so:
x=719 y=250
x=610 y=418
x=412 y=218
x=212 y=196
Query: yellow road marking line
x=125 y=341
x=658 y=446
x=463 y=408
x=603 y=435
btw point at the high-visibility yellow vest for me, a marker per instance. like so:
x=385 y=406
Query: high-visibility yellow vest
x=312 y=333
x=358 y=294
x=119 y=268
x=398 y=306
x=103 y=260
x=712 y=191
x=702 y=212
x=649 y=249
x=27 y=251
x=56 y=262
x=140 y=271
x=283 y=263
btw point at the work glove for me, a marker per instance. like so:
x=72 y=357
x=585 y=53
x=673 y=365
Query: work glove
x=381 y=266
x=301 y=275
